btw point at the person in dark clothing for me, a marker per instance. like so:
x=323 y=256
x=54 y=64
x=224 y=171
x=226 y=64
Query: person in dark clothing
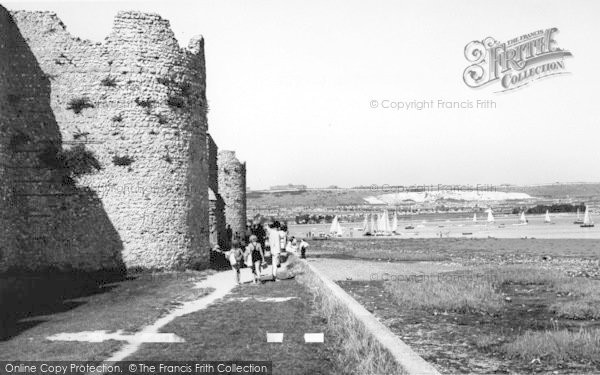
x=303 y=246
x=260 y=234
x=248 y=233
x=228 y=236
x=255 y=252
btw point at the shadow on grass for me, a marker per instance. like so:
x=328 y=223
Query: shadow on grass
x=27 y=298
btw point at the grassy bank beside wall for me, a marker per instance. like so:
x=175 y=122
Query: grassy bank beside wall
x=362 y=352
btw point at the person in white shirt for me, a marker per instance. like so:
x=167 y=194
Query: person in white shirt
x=283 y=236
x=292 y=246
x=275 y=245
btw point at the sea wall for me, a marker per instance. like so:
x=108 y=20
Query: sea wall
x=103 y=146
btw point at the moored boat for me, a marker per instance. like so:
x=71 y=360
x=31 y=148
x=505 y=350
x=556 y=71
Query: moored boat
x=579 y=220
x=587 y=219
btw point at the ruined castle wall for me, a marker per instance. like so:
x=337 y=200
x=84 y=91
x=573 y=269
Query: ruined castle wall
x=232 y=187
x=138 y=103
x=216 y=220
x=217 y=206
x=213 y=169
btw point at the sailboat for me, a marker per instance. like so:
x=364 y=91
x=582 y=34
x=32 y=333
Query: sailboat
x=522 y=219
x=578 y=220
x=490 y=217
x=587 y=219
x=380 y=225
x=335 y=229
x=385 y=220
x=474 y=218
x=547 y=218
x=373 y=227
x=365 y=226
x=395 y=223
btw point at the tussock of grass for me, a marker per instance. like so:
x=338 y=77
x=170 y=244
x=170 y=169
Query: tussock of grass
x=361 y=353
x=464 y=294
x=122 y=160
x=485 y=342
x=556 y=346
x=478 y=291
x=526 y=275
x=397 y=255
x=580 y=287
x=587 y=302
x=79 y=104
x=581 y=309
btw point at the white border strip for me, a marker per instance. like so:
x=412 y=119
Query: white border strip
x=275 y=337
x=410 y=361
x=314 y=337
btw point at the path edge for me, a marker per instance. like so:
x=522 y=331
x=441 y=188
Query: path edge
x=405 y=357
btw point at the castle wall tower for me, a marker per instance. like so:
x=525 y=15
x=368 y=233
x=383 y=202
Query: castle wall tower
x=132 y=111
x=232 y=187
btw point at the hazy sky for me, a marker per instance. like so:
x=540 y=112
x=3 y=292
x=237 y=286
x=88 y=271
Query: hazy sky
x=290 y=85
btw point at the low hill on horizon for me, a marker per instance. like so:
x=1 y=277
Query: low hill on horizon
x=579 y=192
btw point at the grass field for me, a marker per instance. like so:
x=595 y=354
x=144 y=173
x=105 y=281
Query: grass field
x=235 y=329
x=232 y=328
x=513 y=306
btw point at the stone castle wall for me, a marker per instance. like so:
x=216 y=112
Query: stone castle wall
x=232 y=187
x=134 y=106
x=217 y=206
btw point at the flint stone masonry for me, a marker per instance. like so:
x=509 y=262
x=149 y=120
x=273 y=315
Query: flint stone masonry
x=217 y=206
x=138 y=103
x=216 y=220
x=232 y=187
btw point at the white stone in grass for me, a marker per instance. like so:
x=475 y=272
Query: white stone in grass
x=314 y=337
x=275 y=337
x=100 y=336
x=264 y=299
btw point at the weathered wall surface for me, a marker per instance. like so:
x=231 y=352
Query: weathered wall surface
x=217 y=206
x=213 y=168
x=138 y=103
x=232 y=187
x=216 y=220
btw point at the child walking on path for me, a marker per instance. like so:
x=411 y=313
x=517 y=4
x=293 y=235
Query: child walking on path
x=236 y=258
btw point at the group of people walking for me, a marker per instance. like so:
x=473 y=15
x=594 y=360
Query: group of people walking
x=263 y=245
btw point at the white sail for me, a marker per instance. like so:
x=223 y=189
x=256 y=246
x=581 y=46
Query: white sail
x=335 y=228
x=373 y=227
x=380 y=225
x=365 y=226
x=587 y=218
x=490 y=217
x=386 y=222
x=474 y=218
x=523 y=219
x=395 y=223
x=547 y=218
